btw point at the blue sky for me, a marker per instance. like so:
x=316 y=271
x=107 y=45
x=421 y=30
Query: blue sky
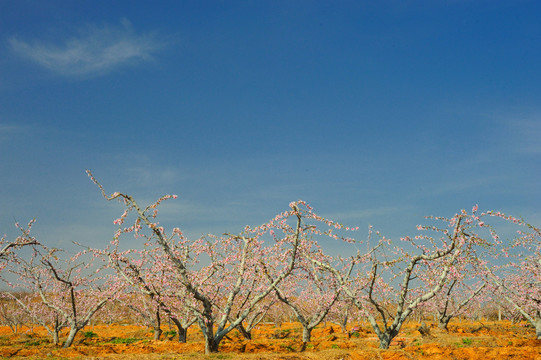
x=373 y=112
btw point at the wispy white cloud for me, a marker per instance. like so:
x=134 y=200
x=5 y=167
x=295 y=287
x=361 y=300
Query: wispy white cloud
x=94 y=51
x=528 y=135
x=9 y=130
x=519 y=130
x=456 y=186
x=369 y=213
x=147 y=175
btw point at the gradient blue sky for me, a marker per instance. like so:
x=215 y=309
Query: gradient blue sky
x=375 y=112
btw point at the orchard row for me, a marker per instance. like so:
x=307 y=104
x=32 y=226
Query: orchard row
x=234 y=281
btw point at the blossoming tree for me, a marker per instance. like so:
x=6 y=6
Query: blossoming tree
x=234 y=259
x=7 y=247
x=69 y=287
x=387 y=287
x=516 y=269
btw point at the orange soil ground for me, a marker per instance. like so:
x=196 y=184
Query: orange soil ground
x=465 y=340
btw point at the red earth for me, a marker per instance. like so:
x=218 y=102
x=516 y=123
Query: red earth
x=465 y=340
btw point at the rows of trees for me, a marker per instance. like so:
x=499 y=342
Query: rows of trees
x=234 y=281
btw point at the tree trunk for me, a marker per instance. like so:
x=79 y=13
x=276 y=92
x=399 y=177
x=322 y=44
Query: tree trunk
x=71 y=336
x=157 y=333
x=157 y=326
x=57 y=327
x=306 y=334
x=538 y=329
x=385 y=341
x=425 y=329
x=444 y=322
x=211 y=341
x=211 y=345
x=182 y=334
x=386 y=337
x=245 y=333
x=344 y=325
